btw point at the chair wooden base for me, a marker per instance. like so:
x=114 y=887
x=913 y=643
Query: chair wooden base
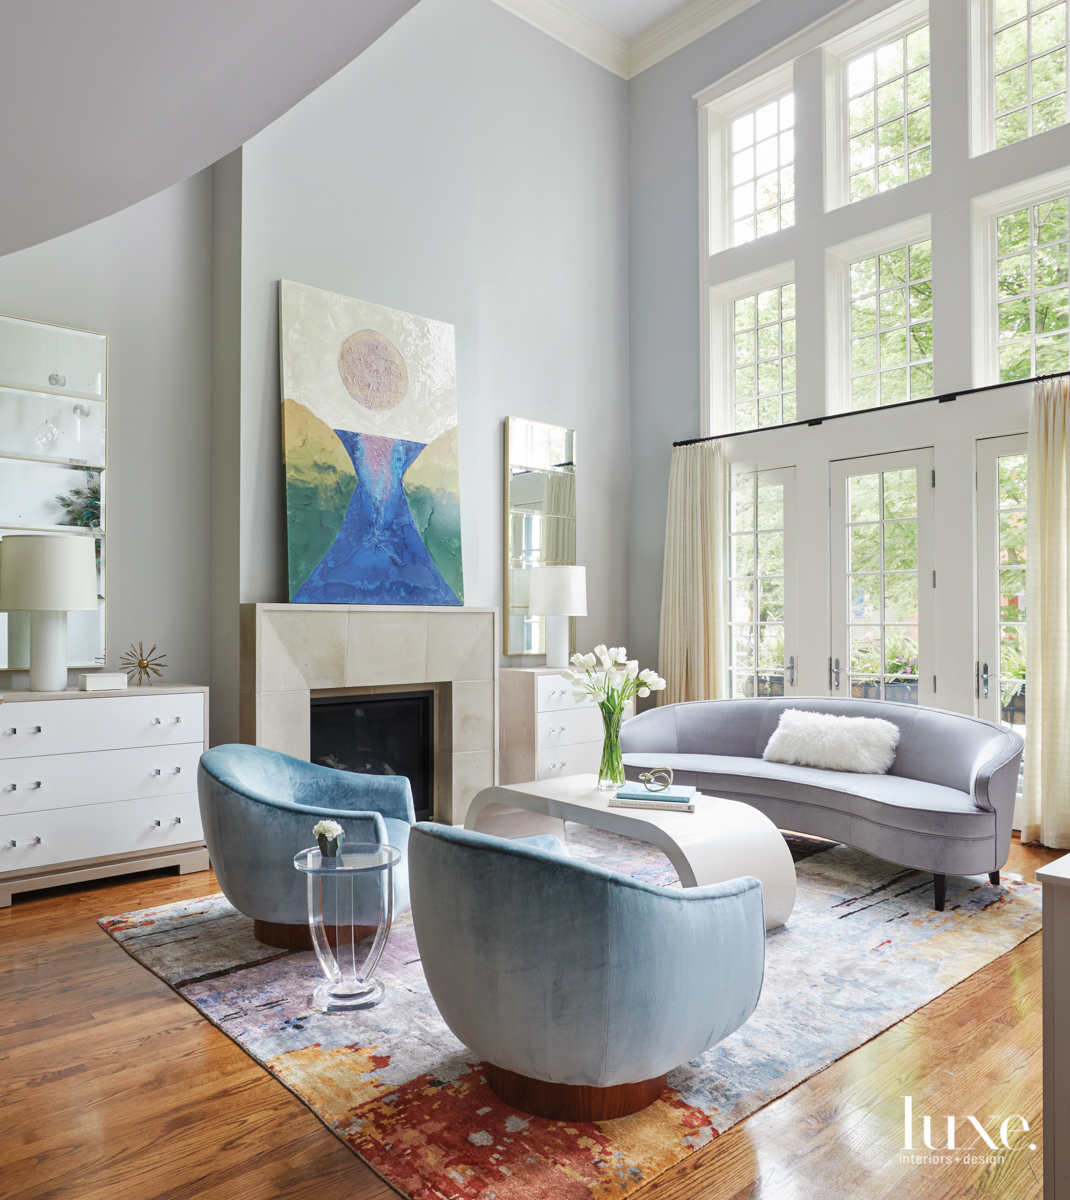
x=299 y=937
x=569 y=1102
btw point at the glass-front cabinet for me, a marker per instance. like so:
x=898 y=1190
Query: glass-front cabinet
x=53 y=461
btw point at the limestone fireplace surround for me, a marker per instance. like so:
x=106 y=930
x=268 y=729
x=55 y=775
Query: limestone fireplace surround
x=290 y=652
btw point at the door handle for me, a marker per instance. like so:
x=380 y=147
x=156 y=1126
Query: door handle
x=834 y=673
x=791 y=671
x=984 y=680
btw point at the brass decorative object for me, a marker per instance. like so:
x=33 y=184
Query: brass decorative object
x=656 y=781
x=136 y=661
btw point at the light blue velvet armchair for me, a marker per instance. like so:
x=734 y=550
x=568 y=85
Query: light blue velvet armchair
x=579 y=987
x=258 y=808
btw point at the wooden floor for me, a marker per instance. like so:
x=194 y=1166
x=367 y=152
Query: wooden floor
x=114 y=1088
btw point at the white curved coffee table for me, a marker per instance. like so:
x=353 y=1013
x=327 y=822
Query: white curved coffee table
x=721 y=839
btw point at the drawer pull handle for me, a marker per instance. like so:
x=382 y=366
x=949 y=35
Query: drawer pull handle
x=159 y=771
x=159 y=721
x=29 y=729
x=34 y=841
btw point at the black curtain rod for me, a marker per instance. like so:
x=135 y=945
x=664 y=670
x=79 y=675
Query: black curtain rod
x=857 y=412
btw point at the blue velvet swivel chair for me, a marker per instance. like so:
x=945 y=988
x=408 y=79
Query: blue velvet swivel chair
x=258 y=808
x=578 y=987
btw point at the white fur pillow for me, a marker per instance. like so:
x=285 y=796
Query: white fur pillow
x=862 y=744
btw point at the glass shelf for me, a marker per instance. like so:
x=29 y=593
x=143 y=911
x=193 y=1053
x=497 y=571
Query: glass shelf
x=44 y=426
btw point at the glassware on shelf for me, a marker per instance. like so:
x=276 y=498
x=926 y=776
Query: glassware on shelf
x=40 y=425
x=350 y=911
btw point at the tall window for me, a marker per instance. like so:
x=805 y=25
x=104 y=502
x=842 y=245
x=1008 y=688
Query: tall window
x=1029 y=51
x=756 y=584
x=888 y=114
x=764 y=376
x=763 y=170
x=882 y=607
x=891 y=327
x=1031 y=247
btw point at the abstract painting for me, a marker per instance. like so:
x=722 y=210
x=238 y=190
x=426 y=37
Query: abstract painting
x=369 y=432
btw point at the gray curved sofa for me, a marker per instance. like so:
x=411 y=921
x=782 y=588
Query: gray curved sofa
x=946 y=805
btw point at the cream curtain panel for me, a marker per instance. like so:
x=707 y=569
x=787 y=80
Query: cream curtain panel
x=691 y=651
x=1046 y=799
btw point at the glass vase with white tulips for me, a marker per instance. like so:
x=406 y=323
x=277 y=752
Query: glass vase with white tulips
x=612 y=679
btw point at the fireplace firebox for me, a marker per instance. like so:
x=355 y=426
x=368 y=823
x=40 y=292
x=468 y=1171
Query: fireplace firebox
x=392 y=733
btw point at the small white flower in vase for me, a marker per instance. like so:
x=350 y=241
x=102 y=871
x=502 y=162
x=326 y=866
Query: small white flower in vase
x=330 y=836
x=612 y=679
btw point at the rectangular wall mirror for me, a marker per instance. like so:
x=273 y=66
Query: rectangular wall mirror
x=540 y=519
x=53 y=462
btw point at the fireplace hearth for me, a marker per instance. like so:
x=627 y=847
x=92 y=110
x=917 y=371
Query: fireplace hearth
x=388 y=734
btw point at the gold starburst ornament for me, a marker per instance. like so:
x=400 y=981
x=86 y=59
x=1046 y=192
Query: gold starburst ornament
x=144 y=666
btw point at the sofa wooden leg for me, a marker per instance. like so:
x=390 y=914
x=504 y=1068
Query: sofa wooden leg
x=939 y=891
x=993 y=878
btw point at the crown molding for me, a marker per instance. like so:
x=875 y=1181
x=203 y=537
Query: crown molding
x=588 y=37
x=680 y=28
x=578 y=31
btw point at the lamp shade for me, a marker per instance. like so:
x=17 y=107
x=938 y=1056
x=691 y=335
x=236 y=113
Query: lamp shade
x=39 y=573
x=557 y=592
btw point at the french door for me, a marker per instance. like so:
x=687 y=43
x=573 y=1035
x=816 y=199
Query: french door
x=763 y=656
x=883 y=578
x=1001 y=672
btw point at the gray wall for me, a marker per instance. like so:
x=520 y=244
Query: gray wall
x=143 y=276
x=471 y=169
x=664 y=271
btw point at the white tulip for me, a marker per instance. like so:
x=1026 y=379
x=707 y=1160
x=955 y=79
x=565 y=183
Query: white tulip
x=590 y=660
x=568 y=676
x=600 y=651
x=648 y=676
x=632 y=669
x=643 y=692
x=622 y=654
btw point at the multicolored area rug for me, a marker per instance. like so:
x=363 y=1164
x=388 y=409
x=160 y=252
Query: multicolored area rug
x=862 y=950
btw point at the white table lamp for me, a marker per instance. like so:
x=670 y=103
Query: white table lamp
x=47 y=577
x=557 y=593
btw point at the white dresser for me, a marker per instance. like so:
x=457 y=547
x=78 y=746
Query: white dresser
x=544 y=733
x=99 y=783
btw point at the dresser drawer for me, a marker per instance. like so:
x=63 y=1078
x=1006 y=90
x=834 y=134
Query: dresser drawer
x=39 y=727
x=564 y=728
x=69 y=780
x=95 y=830
x=570 y=760
x=555 y=694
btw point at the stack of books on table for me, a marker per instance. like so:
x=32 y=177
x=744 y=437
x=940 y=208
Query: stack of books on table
x=677 y=798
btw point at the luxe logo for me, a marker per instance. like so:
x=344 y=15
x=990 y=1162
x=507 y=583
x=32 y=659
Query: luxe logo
x=975 y=1129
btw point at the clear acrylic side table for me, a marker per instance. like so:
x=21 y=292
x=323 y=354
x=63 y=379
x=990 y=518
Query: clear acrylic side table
x=338 y=896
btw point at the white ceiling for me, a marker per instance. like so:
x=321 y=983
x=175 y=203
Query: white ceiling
x=626 y=17
x=107 y=102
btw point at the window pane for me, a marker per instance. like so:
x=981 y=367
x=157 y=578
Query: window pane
x=1029 y=55
x=882 y=87
x=764 y=341
x=891 y=297
x=1033 y=290
x=763 y=154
